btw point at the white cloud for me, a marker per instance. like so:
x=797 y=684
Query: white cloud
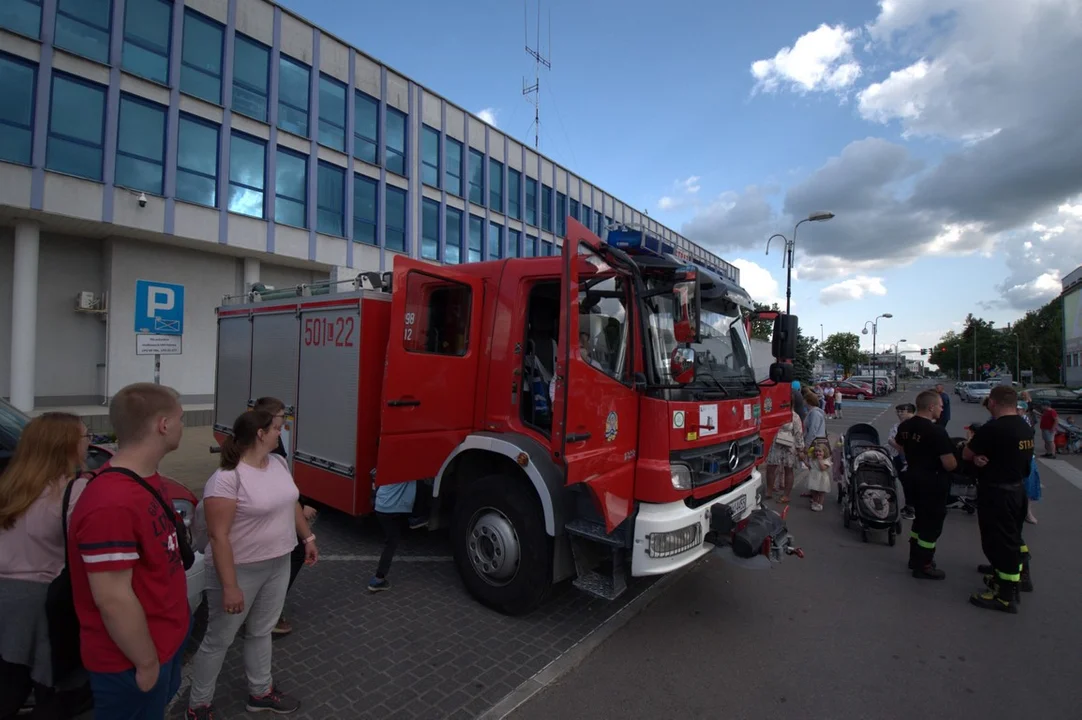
x=819 y=60
x=691 y=184
x=1040 y=255
x=681 y=195
x=759 y=282
x=855 y=288
x=489 y=116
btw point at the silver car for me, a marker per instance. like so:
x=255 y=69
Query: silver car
x=976 y=392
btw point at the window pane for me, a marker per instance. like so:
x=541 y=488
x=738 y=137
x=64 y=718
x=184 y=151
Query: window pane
x=530 y=248
x=396 y=141
x=495 y=185
x=430 y=156
x=513 y=239
x=365 y=128
x=430 y=230
x=290 y=188
x=82 y=26
x=442 y=310
x=138 y=174
x=514 y=194
x=364 y=209
x=147 y=25
x=396 y=219
x=477 y=177
x=21 y=16
x=453 y=168
x=140 y=145
x=332 y=113
x=477 y=238
x=330 y=199
x=197 y=188
x=251 y=64
x=17 y=88
x=495 y=241
x=452 y=231
x=76 y=126
x=197 y=162
x=293 y=96
x=531 y=201
x=573 y=208
x=201 y=58
x=247 y=157
x=546 y=208
x=561 y=214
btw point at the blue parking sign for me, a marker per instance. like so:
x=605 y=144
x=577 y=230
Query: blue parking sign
x=159 y=308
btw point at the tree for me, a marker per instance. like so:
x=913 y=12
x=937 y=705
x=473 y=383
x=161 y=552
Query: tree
x=1035 y=342
x=764 y=329
x=844 y=349
x=807 y=352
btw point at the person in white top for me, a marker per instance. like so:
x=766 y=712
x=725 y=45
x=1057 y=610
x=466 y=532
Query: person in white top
x=785 y=453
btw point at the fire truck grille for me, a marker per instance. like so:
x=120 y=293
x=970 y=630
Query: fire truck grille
x=717 y=462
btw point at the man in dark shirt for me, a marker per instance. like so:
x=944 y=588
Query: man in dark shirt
x=929 y=454
x=945 y=414
x=1002 y=450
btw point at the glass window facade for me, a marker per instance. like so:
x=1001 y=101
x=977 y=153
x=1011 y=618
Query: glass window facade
x=330 y=199
x=197 y=161
x=365 y=128
x=201 y=57
x=495 y=241
x=76 y=127
x=546 y=248
x=573 y=209
x=529 y=248
x=546 y=208
x=395 y=219
x=495 y=185
x=514 y=194
x=598 y=224
x=396 y=141
x=247 y=174
x=17 y=82
x=148 y=26
x=140 y=145
x=453 y=168
x=452 y=236
x=430 y=229
x=531 y=201
x=83 y=27
x=21 y=16
x=332 y=113
x=251 y=77
x=365 y=210
x=430 y=156
x=477 y=239
x=477 y=177
x=291 y=188
x=514 y=238
x=561 y=214
x=293 y=79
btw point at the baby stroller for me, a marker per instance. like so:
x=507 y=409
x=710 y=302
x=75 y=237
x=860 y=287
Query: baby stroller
x=963 y=492
x=871 y=495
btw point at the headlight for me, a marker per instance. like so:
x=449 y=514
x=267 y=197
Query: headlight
x=680 y=476
x=186 y=510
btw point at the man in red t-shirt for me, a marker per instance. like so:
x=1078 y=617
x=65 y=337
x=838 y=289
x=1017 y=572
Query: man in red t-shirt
x=1049 y=421
x=127 y=575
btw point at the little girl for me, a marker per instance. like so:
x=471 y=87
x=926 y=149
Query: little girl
x=819 y=476
x=838 y=405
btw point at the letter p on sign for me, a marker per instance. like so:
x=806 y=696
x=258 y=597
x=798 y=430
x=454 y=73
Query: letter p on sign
x=159 y=298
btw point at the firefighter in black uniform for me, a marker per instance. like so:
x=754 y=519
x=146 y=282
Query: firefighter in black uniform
x=1002 y=450
x=930 y=456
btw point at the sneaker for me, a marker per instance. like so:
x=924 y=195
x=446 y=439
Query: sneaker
x=907 y=513
x=377 y=584
x=282 y=628
x=274 y=702
x=816 y=507
x=416 y=523
x=203 y=712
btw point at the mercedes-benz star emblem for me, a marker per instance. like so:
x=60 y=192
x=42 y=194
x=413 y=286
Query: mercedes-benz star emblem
x=734 y=456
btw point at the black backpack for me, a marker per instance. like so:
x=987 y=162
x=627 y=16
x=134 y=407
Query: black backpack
x=60 y=607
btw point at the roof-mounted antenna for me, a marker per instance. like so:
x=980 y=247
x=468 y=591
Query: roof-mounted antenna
x=533 y=92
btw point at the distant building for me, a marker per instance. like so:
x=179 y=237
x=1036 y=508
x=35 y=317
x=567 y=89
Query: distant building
x=1072 y=328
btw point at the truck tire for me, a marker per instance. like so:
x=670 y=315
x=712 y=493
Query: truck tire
x=502 y=551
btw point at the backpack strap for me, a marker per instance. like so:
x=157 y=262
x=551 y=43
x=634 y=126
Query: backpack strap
x=169 y=509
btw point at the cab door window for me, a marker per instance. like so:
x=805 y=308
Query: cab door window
x=437 y=316
x=603 y=326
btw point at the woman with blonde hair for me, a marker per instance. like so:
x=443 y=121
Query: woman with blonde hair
x=44 y=468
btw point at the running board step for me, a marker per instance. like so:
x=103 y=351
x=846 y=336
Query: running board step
x=599 y=559
x=595 y=531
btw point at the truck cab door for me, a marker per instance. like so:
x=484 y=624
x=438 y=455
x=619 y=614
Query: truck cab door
x=595 y=406
x=430 y=379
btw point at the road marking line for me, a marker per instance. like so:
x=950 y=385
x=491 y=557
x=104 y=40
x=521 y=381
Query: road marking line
x=1065 y=470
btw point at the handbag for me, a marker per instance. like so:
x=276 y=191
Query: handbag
x=184 y=545
x=60 y=608
x=1033 y=482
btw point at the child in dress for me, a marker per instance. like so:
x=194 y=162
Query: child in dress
x=819 y=476
x=838 y=405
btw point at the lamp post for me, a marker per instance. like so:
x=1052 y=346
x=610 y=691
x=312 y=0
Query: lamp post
x=787 y=254
x=897 y=349
x=875 y=331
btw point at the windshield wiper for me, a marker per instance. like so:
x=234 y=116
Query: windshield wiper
x=717 y=383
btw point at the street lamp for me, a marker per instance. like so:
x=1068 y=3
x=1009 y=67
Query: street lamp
x=897 y=350
x=875 y=331
x=787 y=255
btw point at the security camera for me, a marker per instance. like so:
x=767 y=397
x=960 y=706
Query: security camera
x=142 y=200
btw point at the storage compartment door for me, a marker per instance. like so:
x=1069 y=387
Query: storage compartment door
x=234 y=372
x=326 y=425
x=275 y=341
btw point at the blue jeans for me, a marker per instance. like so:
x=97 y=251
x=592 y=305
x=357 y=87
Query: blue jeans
x=117 y=697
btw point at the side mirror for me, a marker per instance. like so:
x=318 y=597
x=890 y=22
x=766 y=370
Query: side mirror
x=786 y=332
x=682 y=365
x=781 y=372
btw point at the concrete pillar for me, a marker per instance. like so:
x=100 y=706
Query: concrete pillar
x=24 y=314
x=251 y=273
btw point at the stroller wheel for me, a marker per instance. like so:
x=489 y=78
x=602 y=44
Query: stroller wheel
x=863 y=535
x=898 y=527
x=970 y=509
x=891 y=537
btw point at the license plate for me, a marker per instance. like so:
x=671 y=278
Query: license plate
x=738 y=506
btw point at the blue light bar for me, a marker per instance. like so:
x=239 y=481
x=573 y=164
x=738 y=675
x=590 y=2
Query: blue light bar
x=635 y=240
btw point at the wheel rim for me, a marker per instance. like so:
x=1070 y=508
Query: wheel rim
x=493 y=546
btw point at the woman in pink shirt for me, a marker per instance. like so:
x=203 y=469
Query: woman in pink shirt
x=254 y=521
x=48 y=456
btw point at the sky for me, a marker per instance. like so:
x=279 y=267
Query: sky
x=943 y=134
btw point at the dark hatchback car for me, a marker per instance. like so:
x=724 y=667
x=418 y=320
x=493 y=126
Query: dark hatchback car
x=1058 y=398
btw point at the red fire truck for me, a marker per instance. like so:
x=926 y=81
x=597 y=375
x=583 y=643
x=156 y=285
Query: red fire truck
x=582 y=416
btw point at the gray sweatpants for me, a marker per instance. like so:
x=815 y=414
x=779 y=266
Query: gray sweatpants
x=264 y=586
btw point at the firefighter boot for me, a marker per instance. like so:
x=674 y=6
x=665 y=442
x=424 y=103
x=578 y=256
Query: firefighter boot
x=925 y=565
x=914 y=553
x=1026 y=585
x=991 y=583
x=1002 y=596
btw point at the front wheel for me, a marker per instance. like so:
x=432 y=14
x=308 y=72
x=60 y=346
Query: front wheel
x=860 y=396
x=501 y=549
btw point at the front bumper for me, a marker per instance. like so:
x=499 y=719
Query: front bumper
x=655 y=520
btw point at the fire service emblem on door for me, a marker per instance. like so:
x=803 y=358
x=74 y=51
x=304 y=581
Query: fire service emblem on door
x=612 y=426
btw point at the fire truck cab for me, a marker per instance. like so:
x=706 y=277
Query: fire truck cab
x=581 y=416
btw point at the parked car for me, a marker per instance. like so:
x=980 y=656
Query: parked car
x=882 y=384
x=1058 y=398
x=847 y=388
x=959 y=386
x=976 y=392
x=12 y=422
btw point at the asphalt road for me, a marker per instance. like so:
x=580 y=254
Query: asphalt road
x=847 y=632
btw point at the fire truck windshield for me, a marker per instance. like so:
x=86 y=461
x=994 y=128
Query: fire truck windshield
x=723 y=360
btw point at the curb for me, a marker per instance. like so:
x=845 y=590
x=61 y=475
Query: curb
x=582 y=649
